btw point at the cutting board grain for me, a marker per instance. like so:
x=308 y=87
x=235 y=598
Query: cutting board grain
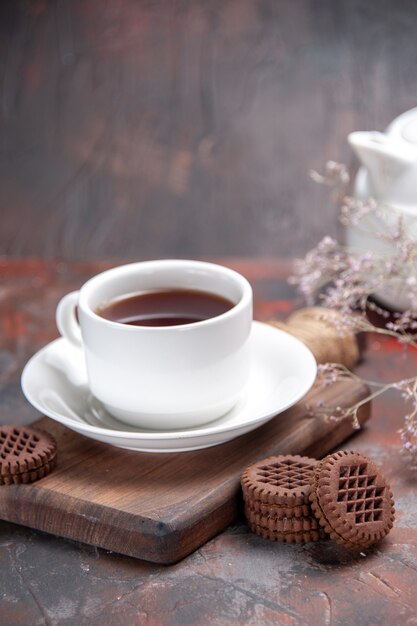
x=161 y=507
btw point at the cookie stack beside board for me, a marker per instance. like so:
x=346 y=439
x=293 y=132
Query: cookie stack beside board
x=296 y=499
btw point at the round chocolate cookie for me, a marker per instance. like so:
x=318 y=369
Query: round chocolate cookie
x=290 y=524
x=26 y=454
x=288 y=529
x=352 y=500
x=283 y=481
x=295 y=537
x=279 y=511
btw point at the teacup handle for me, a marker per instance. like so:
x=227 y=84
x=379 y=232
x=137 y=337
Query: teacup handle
x=66 y=319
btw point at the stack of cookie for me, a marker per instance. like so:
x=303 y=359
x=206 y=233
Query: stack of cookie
x=26 y=454
x=276 y=493
x=298 y=499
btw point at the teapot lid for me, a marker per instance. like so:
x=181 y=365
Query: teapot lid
x=409 y=131
x=405 y=126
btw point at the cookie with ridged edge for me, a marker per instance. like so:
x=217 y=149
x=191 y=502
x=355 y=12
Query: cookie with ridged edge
x=280 y=511
x=290 y=537
x=283 y=481
x=26 y=454
x=289 y=524
x=29 y=476
x=352 y=500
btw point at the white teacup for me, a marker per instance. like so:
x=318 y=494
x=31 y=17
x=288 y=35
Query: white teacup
x=164 y=377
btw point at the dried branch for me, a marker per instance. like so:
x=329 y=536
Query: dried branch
x=344 y=280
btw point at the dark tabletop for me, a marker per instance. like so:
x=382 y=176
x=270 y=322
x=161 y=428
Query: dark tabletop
x=237 y=578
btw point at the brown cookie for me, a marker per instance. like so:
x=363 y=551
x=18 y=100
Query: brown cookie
x=282 y=525
x=283 y=481
x=279 y=510
x=295 y=537
x=352 y=500
x=26 y=454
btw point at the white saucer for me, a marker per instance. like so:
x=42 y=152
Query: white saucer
x=283 y=370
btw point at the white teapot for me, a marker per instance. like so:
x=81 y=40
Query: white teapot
x=388 y=175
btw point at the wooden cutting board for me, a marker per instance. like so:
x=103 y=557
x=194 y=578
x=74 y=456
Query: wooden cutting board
x=161 y=507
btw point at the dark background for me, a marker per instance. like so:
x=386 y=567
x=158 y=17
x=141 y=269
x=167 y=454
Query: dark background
x=148 y=129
